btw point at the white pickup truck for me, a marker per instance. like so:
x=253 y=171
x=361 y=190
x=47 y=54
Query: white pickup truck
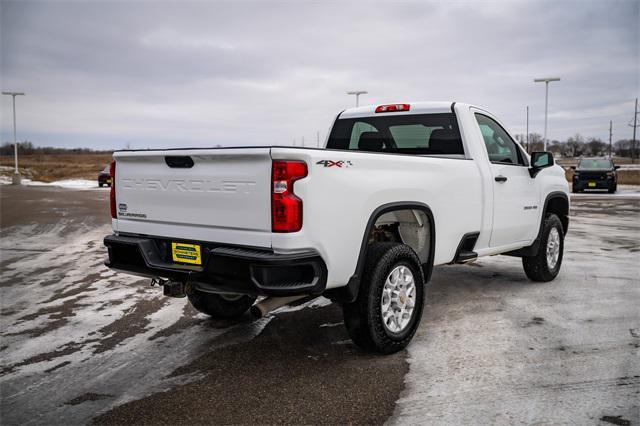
x=397 y=190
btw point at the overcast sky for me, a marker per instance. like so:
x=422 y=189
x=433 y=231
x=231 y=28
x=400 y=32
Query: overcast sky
x=160 y=74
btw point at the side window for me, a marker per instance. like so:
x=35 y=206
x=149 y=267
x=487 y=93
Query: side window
x=359 y=127
x=500 y=147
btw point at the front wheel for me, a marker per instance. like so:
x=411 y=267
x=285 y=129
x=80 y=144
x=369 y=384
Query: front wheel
x=221 y=305
x=386 y=314
x=545 y=265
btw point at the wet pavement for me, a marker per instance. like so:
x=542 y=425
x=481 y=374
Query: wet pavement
x=80 y=343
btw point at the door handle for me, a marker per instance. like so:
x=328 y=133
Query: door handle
x=501 y=178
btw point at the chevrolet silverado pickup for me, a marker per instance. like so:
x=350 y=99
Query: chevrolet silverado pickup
x=396 y=190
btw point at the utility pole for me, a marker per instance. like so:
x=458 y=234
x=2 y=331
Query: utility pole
x=16 y=174
x=635 y=126
x=610 y=135
x=528 y=150
x=546 y=102
x=357 y=93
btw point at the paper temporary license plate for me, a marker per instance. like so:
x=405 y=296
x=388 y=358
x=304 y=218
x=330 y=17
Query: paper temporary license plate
x=592 y=184
x=109 y=180
x=186 y=253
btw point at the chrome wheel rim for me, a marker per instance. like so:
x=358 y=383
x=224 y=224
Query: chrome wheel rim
x=553 y=248
x=398 y=299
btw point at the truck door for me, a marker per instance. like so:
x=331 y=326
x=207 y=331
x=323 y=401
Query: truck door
x=515 y=194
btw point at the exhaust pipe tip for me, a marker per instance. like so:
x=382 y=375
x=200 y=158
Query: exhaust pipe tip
x=269 y=304
x=256 y=312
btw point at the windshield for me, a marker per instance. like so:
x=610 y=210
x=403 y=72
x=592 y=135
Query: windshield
x=595 y=164
x=419 y=134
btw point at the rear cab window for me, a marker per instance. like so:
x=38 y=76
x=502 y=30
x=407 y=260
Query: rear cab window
x=411 y=134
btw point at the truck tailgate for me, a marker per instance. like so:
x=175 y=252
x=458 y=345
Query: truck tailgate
x=223 y=196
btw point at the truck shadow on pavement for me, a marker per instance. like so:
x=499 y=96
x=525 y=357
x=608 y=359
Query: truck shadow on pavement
x=302 y=368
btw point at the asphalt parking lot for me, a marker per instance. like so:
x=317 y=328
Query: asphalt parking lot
x=80 y=343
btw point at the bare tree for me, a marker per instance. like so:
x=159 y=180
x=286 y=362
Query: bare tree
x=595 y=147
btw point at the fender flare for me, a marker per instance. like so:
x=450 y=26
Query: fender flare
x=349 y=292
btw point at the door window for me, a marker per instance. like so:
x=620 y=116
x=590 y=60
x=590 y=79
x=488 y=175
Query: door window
x=500 y=147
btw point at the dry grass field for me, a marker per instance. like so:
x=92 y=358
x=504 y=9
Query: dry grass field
x=53 y=167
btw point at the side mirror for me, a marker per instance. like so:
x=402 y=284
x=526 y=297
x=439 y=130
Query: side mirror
x=539 y=161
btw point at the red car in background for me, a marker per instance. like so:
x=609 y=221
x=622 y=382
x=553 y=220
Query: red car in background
x=104 y=177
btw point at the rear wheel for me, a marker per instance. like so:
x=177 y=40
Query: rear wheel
x=574 y=189
x=545 y=265
x=100 y=184
x=221 y=305
x=613 y=188
x=386 y=314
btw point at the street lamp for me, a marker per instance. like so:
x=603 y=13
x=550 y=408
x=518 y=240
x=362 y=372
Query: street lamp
x=357 y=93
x=546 y=102
x=16 y=174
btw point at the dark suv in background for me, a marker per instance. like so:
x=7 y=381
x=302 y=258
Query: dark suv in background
x=595 y=173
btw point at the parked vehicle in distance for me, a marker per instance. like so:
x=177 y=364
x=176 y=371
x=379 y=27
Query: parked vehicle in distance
x=104 y=177
x=397 y=190
x=595 y=173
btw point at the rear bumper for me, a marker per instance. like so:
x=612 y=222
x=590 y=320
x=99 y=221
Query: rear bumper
x=224 y=269
x=600 y=183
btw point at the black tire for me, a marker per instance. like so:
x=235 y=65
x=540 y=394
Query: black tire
x=219 y=306
x=100 y=184
x=575 y=189
x=363 y=317
x=612 y=189
x=536 y=267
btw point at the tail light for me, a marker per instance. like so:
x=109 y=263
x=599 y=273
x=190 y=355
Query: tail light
x=112 y=194
x=286 y=208
x=393 y=108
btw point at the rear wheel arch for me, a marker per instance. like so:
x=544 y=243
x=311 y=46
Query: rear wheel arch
x=349 y=292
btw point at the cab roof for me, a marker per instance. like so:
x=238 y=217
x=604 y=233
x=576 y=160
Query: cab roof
x=414 y=108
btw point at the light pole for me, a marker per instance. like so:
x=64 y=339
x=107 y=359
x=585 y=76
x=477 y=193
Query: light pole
x=546 y=102
x=357 y=93
x=16 y=174
x=528 y=150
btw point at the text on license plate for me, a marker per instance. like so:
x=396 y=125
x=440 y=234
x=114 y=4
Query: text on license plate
x=186 y=253
x=592 y=184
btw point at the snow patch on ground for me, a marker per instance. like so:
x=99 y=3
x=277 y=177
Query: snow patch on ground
x=624 y=191
x=83 y=184
x=533 y=353
x=70 y=325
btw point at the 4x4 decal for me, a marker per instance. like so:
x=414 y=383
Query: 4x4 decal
x=331 y=163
